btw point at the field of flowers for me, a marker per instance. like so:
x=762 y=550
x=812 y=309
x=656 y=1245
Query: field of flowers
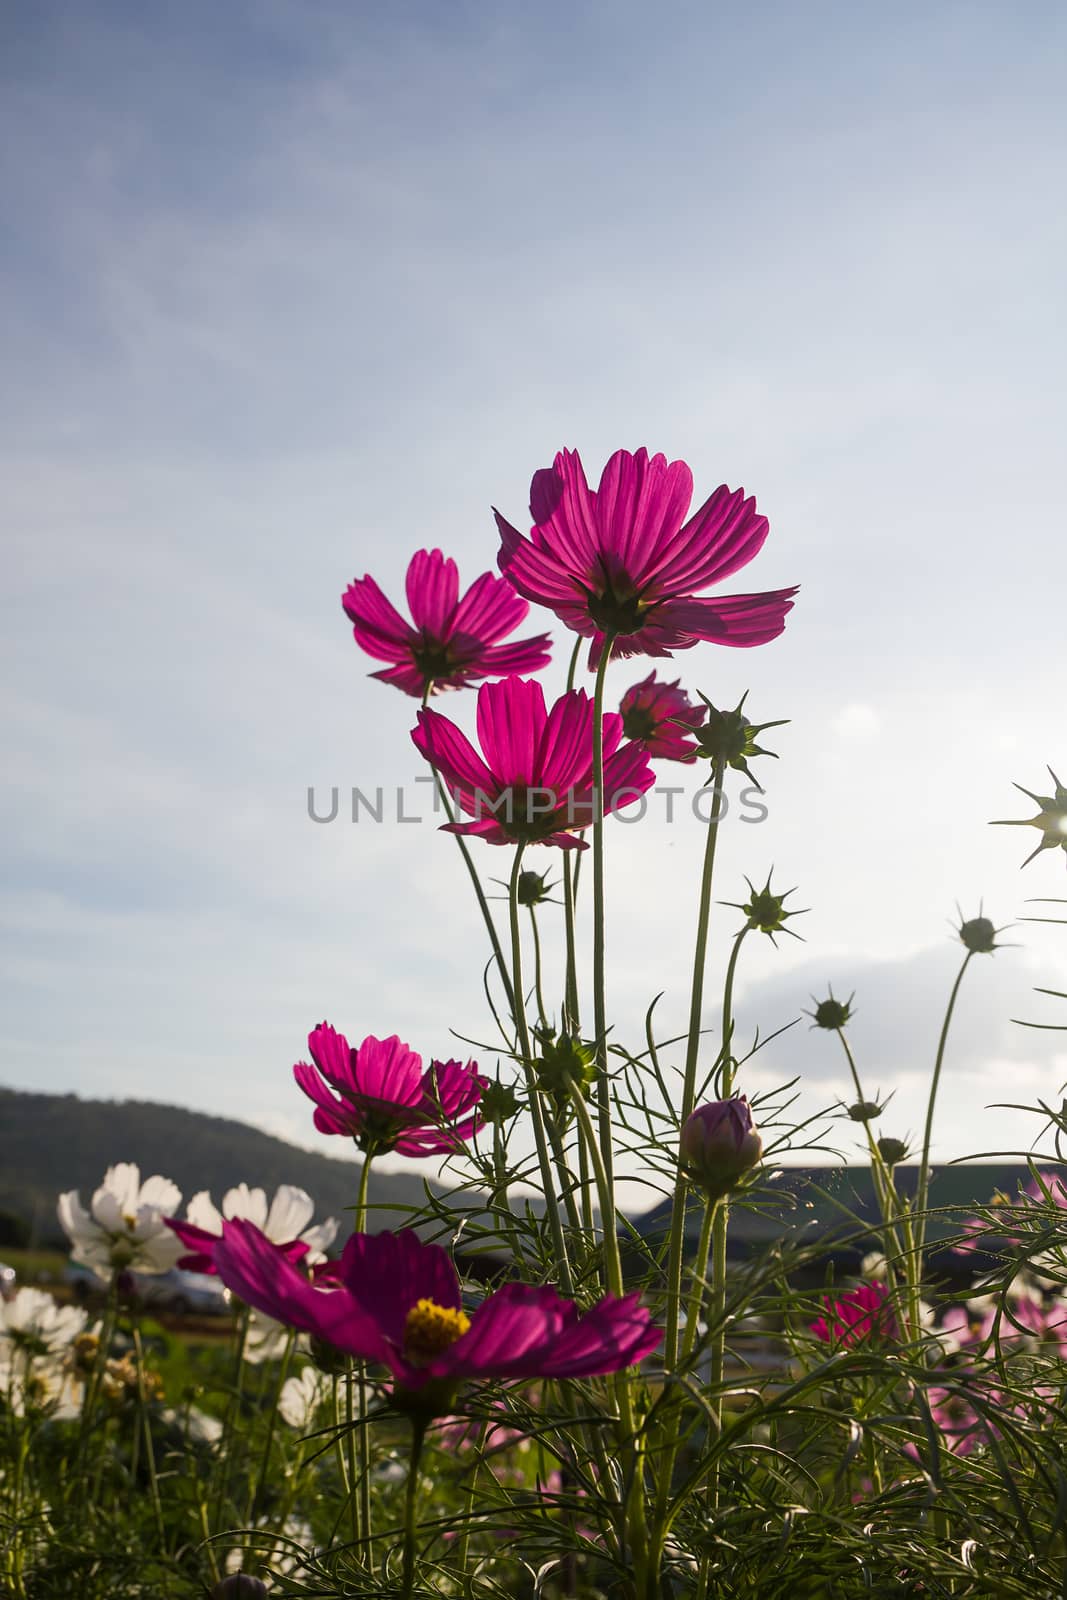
x=506 y=1399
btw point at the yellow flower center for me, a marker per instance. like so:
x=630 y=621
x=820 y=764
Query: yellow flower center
x=131 y=1222
x=430 y=1329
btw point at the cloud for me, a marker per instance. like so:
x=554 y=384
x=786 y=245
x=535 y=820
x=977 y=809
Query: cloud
x=856 y=721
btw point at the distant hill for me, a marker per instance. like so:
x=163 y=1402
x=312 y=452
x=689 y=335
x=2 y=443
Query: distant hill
x=49 y=1143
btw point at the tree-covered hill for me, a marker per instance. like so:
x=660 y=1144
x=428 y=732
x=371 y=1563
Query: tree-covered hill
x=51 y=1142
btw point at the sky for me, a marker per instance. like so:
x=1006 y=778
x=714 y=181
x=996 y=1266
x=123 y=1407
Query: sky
x=291 y=290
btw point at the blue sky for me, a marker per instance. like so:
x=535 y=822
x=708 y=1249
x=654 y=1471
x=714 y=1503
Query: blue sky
x=291 y=290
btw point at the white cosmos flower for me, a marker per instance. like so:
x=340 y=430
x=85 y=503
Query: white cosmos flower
x=124 y=1226
x=36 y=1323
x=35 y=1339
x=284 y=1221
x=302 y=1396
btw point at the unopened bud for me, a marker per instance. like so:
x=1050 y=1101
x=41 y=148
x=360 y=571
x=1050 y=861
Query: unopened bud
x=979 y=935
x=865 y=1111
x=831 y=1014
x=532 y=888
x=718 y=1144
x=499 y=1103
x=239 y=1586
x=892 y=1151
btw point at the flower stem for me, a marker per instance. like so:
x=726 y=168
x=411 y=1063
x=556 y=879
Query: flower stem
x=922 y=1191
x=536 y=1108
x=476 y=882
x=418 y=1434
x=692 y=1056
x=882 y=1179
x=359 y=1473
x=144 y=1424
x=600 y=1024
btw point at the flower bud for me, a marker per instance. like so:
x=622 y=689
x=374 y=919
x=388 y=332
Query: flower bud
x=565 y=1063
x=979 y=935
x=239 y=1586
x=500 y=1102
x=718 y=1144
x=865 y=1111
x=831 y=1014
x=532 y=888
x=892 y=1150
x=730 y=738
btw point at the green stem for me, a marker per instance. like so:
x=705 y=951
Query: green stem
x=257 y=1499
x=359 y=1472
x=145 y=1427
x=881 y=1177
x=533 y=1092
x=726 y=1055
x=699 y=1284
x=542 y=1014
x=472 y=870
x=411 y=1493
x=922 y=1191
x=720 y=1228
x=600 y=1024
x=692 y=1056
x=228 y=1451
x=570 y=991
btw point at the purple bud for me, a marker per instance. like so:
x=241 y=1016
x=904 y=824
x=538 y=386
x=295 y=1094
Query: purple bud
x=719 y=1144
x=239 y=1586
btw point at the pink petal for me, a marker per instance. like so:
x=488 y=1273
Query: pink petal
x=452 y=754
x=723 y=536
x=379 y=628
x=331 y=1116
x=489 y=609
x=386 y=1275
x=742 y=620
x=641 y=504
x=432 y=591
x=332 y=1054
x=511 y=715
x=388 y=1070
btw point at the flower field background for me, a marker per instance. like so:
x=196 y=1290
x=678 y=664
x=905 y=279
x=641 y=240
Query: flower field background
x=506 y=1398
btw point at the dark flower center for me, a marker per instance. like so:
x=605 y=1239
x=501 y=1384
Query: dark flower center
x=433 y=659
x=526 y=813
x=617 y=614
x=639 y=722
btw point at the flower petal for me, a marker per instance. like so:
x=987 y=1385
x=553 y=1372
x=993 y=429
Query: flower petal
x=378 y=627
x=432 y=586
x=511 y=717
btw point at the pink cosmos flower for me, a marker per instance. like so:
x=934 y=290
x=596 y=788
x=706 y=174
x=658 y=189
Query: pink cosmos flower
x=384 y=1100
x=449 y=642
x=654 y=716
x=397 y=1302
x=623 y=560
x=535 y=784
x=858 y=1314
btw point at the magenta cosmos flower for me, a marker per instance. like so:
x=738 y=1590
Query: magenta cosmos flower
x=380 y=1096
x=449 y=642
x=535 y=783
x=624 y=560
x=655 y=716
x=857 y=1315
x=396 y=1301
